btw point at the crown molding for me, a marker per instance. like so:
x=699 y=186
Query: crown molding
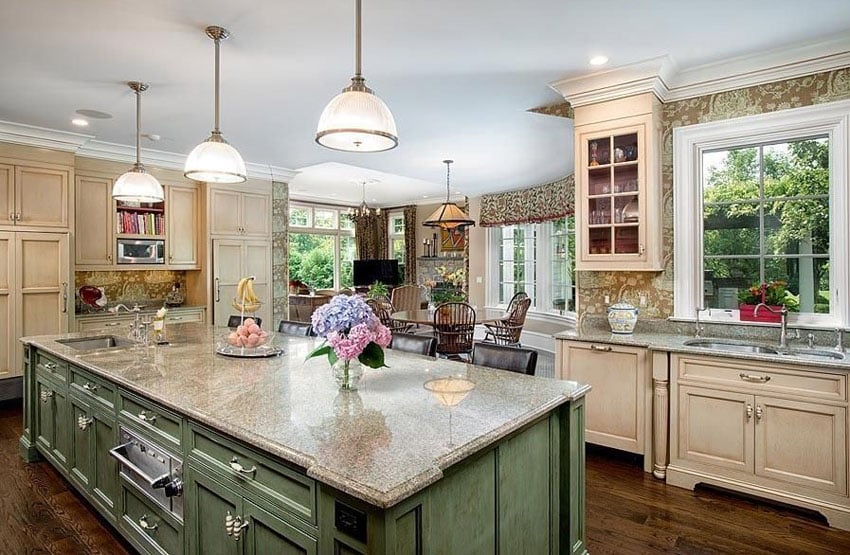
x=669 y=83
x=41 y=137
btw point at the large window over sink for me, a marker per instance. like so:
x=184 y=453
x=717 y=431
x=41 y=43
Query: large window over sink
x=764 y=200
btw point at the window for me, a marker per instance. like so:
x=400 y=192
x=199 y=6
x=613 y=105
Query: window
x=396 y=239
x=768 y=195
x=321 y=247
x=536 y=259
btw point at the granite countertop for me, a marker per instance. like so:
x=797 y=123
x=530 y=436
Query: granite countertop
x=382 y=443
x=149 y=307
x=676 y=343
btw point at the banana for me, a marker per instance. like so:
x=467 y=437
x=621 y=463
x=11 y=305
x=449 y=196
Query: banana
x=246 y=300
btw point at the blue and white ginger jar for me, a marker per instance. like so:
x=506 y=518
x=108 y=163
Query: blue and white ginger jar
x=622 y=318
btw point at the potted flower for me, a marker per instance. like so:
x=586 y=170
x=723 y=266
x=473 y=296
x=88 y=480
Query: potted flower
x=451 y=287
x=774 y=294
x=353 y=336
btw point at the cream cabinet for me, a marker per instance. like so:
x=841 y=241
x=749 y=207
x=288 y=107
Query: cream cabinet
x=778 y=431
x=119 y=324
x=233 y=259
x=34 y=291
x=234 y=212
x=618 y=185
x=35 y=196
x=183 y=225
x=94 y=237
x=618 y=407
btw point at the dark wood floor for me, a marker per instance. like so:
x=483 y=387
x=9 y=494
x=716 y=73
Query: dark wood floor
x=628 y=512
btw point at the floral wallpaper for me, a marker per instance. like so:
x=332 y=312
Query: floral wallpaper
x=780 y=95
x=538 y=204
x=561 y=110
x=132 y=285
x=280 y=251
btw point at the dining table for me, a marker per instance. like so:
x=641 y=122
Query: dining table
x=426 y=316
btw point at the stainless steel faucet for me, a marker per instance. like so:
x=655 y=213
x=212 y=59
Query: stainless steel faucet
x=839 y=340
x=699 y=329
x=783 y=325
x=136 y=327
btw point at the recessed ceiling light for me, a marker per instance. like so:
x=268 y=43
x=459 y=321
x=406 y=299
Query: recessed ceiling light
x=80 y=122
x=151 y=136
x=94 y=114
x=599 y=60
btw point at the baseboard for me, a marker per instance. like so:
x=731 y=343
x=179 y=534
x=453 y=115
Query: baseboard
x=12 y=388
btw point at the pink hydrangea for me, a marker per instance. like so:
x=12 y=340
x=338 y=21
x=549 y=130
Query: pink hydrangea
x=383 y=336
x=350 y=347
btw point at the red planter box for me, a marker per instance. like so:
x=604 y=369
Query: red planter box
x=764 y=314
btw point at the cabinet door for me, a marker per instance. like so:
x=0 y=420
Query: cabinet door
x=104 y=473
x=8 y=343
x=42 y=278
x=715 y=427
x=225 y=212
x=7 y=195
x=80 y=470
x=52 y=430
x=616 y=405
x=802 y=443
x=268 y=534
x=208 y=504
x=182 y=213
x=45 y=421
x=227 y=271
x=93 y=222
x=256 y=215
x=41 y=196
x=257 y=262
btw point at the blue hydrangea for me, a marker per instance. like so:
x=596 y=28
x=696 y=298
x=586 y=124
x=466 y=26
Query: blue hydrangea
x=340 y=314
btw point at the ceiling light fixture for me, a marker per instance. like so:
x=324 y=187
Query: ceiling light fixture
x=449 y=215
x=363 y=211
x=80 y=122
x=356 y=120
x=599 y=60
x=137 y=185
x=214 y=160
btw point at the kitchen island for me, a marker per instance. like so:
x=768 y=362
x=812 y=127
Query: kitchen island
x=271 y=457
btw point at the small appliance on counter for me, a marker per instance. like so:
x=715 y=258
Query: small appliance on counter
x=93 y=297
x=622 y=318
x=175 y=297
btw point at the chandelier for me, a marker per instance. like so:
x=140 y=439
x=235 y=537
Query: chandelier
x=364 y=210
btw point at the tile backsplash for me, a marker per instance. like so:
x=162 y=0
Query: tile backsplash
x=141 y=285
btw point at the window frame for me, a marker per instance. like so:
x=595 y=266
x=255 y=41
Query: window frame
x=831 y=120
x=336 y=232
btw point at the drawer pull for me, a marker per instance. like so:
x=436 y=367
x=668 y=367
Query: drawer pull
x=88 y=386
x=234 y=525
x=45 y=395
x=173 y=318
x=237 y=466
x=145 y=525
x=50 y=366
x=83 y=422
x=111 y=324
x=145 y=416
x=749 y=412
x=754 y=379
x=604 y=349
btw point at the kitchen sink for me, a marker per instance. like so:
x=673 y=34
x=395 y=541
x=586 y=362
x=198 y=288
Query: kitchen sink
x=720 y=345
x=94 y=343
x=814 y=354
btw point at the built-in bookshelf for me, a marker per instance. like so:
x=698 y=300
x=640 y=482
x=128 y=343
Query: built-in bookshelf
x=135 y=218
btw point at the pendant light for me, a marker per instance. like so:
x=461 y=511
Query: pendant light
x=214 y=160
x=137 y=185
x=363 y=211
x=449 y=215
x=356 y=120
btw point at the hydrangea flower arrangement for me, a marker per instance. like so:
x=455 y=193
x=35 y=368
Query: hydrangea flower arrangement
x=351 y=331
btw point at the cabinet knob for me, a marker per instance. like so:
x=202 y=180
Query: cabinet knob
x=759 y=412
x=88 y=386
x=145 y=416
x=749 y=411
x=234 y=525
x=145 y=525
x=84 y=422
x=109 y=258
x=45 y=395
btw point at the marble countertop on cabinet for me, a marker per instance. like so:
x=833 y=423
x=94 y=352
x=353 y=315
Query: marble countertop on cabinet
x=382 y=443
x=149 y=308
x=676 y=343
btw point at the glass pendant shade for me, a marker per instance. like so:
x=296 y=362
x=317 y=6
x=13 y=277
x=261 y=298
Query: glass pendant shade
x=357 y=121
x=137 y=185
x=215 y=161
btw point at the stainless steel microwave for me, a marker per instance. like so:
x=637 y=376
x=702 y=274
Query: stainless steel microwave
x=141 y=251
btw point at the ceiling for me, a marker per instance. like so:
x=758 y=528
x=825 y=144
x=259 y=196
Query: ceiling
x=459 y=77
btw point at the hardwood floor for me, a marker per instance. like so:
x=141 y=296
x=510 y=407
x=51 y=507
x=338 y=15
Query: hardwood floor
x=628 y=512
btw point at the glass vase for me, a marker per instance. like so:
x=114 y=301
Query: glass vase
x=347 y=374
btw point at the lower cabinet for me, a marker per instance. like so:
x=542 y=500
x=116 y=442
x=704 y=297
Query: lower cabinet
x=92 y=468
x=52 y=421
x=221 y=520
x=148 y=527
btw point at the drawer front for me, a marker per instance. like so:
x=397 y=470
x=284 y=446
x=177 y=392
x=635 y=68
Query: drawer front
x=760 y=378
x=113 y=325
x=148 y=416
x=184 y=317
x=147 y=524
x=292 y=491
x=51 y=365
x=91 y=387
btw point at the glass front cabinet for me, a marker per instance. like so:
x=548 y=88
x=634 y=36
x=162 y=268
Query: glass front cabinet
x=619 y=195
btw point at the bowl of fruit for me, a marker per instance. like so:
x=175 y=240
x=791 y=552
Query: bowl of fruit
x=248 y=340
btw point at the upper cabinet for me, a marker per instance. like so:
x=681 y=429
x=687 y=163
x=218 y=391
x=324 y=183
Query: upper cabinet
x=35 y=197
x=234 y=212
x=618 y=185
x=183 y=224
x=93 y=240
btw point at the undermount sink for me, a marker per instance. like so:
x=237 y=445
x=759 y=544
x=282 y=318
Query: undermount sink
x=814 y=354
x=721 y=345
x=94 y=343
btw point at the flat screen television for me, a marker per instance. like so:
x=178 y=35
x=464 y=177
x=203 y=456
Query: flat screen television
x=367 y=272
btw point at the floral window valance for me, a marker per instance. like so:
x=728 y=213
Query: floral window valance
x=537 y=204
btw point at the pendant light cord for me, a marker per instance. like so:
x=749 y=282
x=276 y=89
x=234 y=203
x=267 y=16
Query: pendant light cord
x=138 y=126
x=448 y=164
x=358 y=39
x=217 y=72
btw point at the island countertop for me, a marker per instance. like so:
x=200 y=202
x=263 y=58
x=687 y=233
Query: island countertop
x=382 y=443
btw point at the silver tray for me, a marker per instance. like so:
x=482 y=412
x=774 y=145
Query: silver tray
x=264 y=351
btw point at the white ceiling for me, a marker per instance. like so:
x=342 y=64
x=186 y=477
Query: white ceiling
x=458 y=76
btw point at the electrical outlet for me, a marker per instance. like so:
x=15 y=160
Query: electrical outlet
x=479 y=279
x=607 y=299
x=643 y=300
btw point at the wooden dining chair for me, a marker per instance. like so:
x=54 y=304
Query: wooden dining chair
x=407 y=297
x=412 y=343
x=288 y=327
x=508 y=330
x=523 y=361
x=383 y=309
x=454 y=326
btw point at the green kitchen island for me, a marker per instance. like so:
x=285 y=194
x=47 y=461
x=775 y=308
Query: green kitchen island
x=268 y=456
